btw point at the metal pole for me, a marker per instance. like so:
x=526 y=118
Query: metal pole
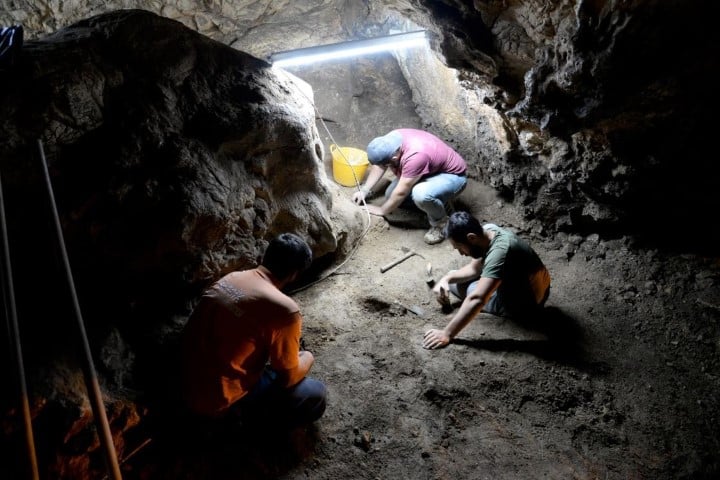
x=91 y=378
x=14 y=336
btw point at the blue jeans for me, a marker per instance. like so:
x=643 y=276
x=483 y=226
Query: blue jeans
x=270 y=404
x=503 y=303
x=493 y=305
x=431 y=194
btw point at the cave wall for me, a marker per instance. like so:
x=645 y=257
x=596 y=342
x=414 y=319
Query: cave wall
x=595 y=117
x=358 y=99
x=173 y=162
x=580 y=111
x=609 y=103
x=162 y=152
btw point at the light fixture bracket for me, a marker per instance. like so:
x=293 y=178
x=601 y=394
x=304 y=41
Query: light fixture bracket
x=333 y=51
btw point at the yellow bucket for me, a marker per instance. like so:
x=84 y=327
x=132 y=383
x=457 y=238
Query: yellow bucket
x=345 y=161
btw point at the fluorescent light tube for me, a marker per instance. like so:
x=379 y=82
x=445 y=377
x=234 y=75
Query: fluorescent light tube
x=352 y=48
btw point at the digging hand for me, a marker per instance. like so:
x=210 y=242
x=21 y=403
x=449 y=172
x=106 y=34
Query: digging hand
x=442 y=292
x=375 y=210
x=359 y=197
x=435 y=338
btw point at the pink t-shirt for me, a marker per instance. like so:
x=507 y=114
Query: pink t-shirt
x=423 y=154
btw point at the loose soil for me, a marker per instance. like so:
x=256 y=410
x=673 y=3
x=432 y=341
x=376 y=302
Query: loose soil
x=619 y=379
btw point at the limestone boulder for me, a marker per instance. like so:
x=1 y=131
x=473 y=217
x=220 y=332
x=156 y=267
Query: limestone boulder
x=172 y=156
x=173 y=159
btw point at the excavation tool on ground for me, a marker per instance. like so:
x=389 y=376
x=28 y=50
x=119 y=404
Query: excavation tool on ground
x=429 y=279
x=409 y=253
x=430 y=282
x=416 y=309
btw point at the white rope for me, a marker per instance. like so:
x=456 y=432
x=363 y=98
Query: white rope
x=357 y=185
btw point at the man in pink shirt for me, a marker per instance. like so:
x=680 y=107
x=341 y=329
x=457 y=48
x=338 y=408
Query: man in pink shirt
x=427 y=171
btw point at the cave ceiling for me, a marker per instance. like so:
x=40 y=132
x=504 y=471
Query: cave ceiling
x=473 y=36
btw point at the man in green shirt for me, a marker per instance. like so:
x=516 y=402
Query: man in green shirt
x=505 y=276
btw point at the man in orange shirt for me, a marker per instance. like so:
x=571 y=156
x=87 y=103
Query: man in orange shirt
x=241 y=345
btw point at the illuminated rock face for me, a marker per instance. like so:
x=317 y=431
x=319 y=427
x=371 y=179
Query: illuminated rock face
x=578 y=110
x=183 y=156
x=174 y=158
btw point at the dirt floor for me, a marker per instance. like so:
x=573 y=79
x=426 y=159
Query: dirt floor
x=618 y=380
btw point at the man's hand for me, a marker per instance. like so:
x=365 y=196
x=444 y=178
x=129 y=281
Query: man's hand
x=288 y=378
x=359 y=197
x=442 y=292
x=435 y=339
x=375 y=210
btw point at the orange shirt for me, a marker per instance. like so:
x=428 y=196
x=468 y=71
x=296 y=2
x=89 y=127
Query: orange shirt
x=241 y=322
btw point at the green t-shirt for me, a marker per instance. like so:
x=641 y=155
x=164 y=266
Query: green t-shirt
x=512 y=260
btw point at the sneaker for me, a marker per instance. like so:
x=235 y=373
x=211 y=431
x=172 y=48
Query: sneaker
x=435 y=235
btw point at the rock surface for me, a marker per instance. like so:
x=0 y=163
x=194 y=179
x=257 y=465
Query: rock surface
x=174 y=159
x=162 y=155
x=578 y=109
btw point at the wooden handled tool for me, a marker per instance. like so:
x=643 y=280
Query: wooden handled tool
x=390 y=265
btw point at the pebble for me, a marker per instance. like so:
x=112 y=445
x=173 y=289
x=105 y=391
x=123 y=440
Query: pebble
x=363 y=440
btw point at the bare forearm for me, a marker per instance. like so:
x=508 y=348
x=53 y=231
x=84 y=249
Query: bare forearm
x=472 y=305
x=394 y=201
x=305 y=362
x=374 y=176
x=467 y=311
x=467 y=272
